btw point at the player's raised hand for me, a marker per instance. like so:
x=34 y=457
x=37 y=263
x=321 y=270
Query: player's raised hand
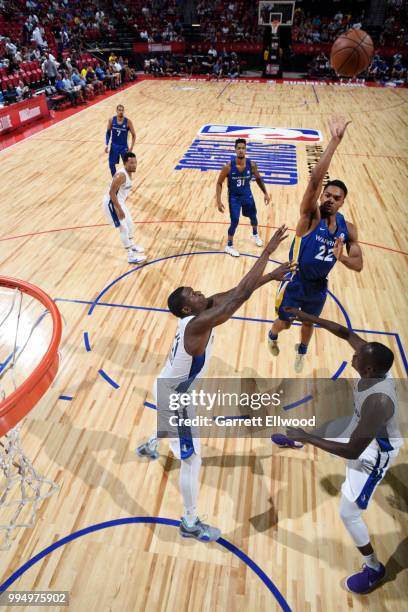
x=338 y=126
x=338 y=249
x=279 y=273
x=277 y=238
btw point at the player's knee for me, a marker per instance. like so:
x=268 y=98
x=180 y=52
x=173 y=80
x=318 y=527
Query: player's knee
x=349 y=511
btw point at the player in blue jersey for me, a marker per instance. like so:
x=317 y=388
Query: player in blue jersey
x=321 y=234
x=118 y=128
x=239 y=172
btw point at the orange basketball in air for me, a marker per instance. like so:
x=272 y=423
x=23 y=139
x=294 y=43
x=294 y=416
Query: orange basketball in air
x=351 y=53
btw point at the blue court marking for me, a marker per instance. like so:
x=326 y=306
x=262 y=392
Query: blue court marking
x=86 y=342
x=108 y=379
x=304 y=400
x=67 y=398
x=337 y=374
x=401 y=348
x=9 y=358
x=155 y=520
x=149 y=405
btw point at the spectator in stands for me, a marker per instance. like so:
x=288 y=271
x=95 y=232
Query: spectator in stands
x=50 y=69
x=130 y=73
x=212 y=51
x=75 y=90
x=397 y=71
x=23 y=91
x=78 y=82
x=111 y=77
x=60 y=87
x=92 y=79
x=234 y=70
x=37 y=37
x=10 y=95
x=216 y=70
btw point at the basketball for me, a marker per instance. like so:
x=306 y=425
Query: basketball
x=351 y=53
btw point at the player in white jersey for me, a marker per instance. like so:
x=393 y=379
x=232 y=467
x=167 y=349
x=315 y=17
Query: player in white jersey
x=188 y=360
x=370 y=443
x=117 y=213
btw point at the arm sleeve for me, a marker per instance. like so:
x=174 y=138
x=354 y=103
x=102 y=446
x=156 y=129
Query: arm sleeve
x=108 y=133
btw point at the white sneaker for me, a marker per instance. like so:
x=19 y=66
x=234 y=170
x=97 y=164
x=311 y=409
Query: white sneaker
x=231 y=251
x=257 y=239
x=273 y=346
x=136 y=259
x=137 y=248
x=299 y=360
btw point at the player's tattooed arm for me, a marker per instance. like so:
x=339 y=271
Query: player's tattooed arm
x=221 y=178
x=132 y=133
x=376 y=410
x=354 y=258
x=309 y=209
x=335 y=328
x=118 y=180
x=260 y=182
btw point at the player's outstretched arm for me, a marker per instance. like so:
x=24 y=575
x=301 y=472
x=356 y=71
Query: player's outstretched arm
x=230 y=301
x=221 y=178
x=309 y=210
x=354 y=258
x=108 y=134
x=335 y=328
x=260 y=182
x=376 y=410
x=132 y=133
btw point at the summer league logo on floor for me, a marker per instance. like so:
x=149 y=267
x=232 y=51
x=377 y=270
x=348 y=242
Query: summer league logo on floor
x=276 y=162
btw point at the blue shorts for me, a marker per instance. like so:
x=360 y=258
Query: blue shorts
x=116 y=153
x=247 y=206
x=308 y=296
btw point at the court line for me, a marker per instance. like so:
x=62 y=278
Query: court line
x=108 y=379
x=315 y=93
x=256 y=320
x=224 y=88
x=189 y=221
x=155 y=520
x=67 y=398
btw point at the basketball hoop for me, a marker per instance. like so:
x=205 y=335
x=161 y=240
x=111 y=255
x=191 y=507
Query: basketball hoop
x=275 y=26
x=21 y=487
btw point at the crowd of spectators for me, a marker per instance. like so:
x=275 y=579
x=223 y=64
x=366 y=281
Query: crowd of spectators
x=224 y=21
x=325 y=29
x=380 y=70
x=153 y=21
x=215 y=65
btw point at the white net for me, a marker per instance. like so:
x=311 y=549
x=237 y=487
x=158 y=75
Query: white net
x=25 y=333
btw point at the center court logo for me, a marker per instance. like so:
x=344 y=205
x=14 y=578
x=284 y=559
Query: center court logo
x=276 y=161
x=254 y=132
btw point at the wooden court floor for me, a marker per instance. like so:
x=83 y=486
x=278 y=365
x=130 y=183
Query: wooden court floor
x=279 y=507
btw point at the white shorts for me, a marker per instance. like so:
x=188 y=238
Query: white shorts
x=363 y=475
x=188 y=440
x=110 y=212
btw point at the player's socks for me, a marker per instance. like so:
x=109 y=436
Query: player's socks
x=229 y=242
x=372 y=561
x=302 y=348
